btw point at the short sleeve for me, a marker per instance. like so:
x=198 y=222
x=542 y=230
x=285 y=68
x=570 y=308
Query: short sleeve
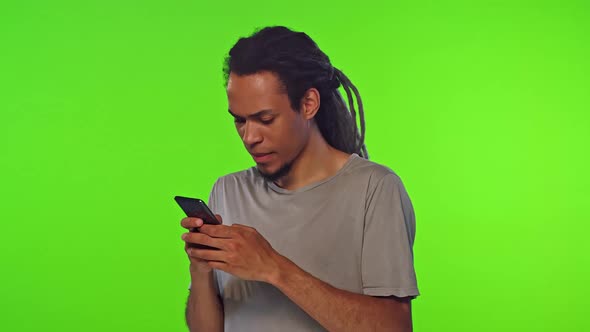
x=387 y=254
x=212 y=203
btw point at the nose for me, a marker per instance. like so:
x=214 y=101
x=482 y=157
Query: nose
x=250 y=134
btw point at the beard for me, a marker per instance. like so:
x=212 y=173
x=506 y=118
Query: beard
x=274 y=176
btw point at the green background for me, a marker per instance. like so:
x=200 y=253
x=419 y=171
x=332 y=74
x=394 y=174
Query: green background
x=110 y=108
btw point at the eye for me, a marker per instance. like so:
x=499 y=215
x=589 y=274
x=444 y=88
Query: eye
x=267 y=121
x=239 y=120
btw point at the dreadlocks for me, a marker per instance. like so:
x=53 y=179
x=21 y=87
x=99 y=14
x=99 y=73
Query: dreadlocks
x=301 y=65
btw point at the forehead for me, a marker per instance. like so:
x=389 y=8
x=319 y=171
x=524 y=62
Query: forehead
x=252 y=93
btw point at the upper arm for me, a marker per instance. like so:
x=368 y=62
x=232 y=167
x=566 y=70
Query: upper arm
x=403 y=302
x=387 y=261
x=401 y=309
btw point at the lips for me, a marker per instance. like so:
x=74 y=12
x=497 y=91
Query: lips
x=262 y=157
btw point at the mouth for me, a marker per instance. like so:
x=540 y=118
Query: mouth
x=261 y=157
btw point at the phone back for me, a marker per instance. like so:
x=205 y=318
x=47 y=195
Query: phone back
x=196 y=208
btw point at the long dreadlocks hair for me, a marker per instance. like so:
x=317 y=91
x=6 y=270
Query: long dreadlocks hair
x=301 y=65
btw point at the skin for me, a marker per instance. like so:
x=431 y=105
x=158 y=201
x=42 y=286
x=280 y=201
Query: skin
x=266 y=123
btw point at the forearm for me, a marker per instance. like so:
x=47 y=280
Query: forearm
x=340 y=310
x=204 y=311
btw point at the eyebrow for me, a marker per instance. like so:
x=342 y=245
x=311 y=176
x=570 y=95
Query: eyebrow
x=254 y=115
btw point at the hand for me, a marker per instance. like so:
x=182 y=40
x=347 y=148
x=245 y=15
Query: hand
x=198 y=266
x=243 y=252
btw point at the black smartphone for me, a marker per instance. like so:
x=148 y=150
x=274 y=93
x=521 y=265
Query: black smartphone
x=196 y=208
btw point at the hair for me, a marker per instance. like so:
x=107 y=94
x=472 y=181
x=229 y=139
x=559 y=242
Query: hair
x=301 y=65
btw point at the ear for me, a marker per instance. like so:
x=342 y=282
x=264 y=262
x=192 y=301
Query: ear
x=310 y=103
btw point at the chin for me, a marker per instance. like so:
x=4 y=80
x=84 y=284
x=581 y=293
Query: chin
x=264 y=168
x=273 y=173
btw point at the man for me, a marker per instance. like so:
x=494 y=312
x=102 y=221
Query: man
x=315 y=237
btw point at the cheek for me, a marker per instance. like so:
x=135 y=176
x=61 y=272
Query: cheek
x=294 y=135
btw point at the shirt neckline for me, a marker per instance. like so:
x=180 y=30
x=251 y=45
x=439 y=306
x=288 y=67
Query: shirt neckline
x=310 y=186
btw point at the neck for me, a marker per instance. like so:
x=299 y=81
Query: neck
x=317 y=161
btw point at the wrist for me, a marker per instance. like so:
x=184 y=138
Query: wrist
x=283 y=268
x=197 y=275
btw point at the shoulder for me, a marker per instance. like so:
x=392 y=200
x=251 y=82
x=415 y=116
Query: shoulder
x=374 y=173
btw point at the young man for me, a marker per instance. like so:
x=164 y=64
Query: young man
x=315 y=237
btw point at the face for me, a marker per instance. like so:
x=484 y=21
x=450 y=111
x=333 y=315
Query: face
x=272 y=132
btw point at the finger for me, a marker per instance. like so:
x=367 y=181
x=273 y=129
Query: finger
x=190 y=222
x=219 y=218
x=218 y=231
x=199 y=238
x=209 y=255
x=190 y=251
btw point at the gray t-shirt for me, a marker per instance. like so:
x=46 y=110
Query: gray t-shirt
x=354 y=230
